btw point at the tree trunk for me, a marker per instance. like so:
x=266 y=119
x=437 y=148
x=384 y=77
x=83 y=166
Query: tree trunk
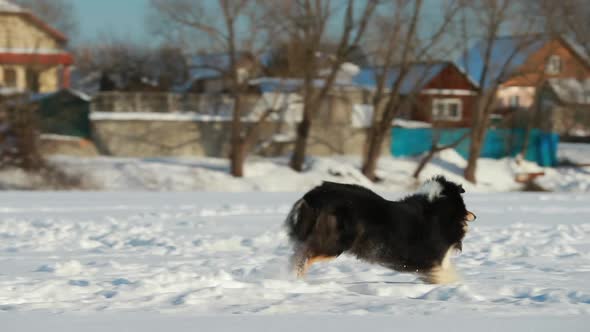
x=375 y=143
x=434 y=149
x=298 y=157
x=529 y=128
x=238 y=156
x=424 y=162
x=474 y=153
x=237 y=150
x=525 y=144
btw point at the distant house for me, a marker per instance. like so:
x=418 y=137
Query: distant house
x=32 y=53
x=522 y=64
x=443 y=94
x=564 y=106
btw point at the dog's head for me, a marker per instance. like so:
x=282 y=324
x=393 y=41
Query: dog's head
x=440 y=190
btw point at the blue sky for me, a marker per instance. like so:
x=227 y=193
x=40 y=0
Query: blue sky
x=125 y=18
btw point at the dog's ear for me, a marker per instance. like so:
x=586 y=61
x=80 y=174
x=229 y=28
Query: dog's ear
x=461 y=190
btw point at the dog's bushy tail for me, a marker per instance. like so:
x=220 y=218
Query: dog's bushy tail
x=300 y=221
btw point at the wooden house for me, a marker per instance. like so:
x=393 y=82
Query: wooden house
x=522 y=64
x=440 y=92
x=32 y=53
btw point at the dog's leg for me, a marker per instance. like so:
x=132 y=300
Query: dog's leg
x=445 y=273
x=299 y=260
x=316 y=259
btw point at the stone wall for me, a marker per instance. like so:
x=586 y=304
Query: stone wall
x=331 y=132
x=139 y=138
x=66 y=145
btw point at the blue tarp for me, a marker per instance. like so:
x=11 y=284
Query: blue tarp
x=498 y=143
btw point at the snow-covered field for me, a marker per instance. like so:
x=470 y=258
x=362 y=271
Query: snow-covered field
x=274 y=174
x=218 y=261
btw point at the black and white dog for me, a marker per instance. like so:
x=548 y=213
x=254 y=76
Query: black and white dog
x=416 y=234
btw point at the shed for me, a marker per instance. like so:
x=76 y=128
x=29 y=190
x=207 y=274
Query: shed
x=64 y=112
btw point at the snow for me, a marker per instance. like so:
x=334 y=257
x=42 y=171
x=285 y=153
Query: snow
x=404 y=123
x=57 y=137
x=274 y=174
x=286 y=106
x=362 y=115
x=155 y=116
x=578 y=153
x=571 y=90
x=197 y=260
x=211 y=253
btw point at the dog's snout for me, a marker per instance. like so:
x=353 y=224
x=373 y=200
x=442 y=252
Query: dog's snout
x=470 y=216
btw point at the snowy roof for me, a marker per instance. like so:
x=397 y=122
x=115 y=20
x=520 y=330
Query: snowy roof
x=579 y=49
x=418 y=76
x=78 y=94
x=88 y=83
x=571 y=90
x=207 y=66
x=276 y=84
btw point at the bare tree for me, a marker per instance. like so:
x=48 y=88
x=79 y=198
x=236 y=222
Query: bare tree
x=305 y=25
x=566 y=18
x=435 y=148
x=231 y=27
x=135 y=66
x=400 y=45
x=488 y=21
x=59 y=14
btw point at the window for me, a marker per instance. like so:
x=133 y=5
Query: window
x=10 y=77
x=447 y=109
x=554 y=65
x=514 y=101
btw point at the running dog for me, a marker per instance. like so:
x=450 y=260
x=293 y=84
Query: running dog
x=417 y=234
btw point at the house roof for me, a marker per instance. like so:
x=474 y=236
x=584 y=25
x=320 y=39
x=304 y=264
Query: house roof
x=214 y=65
x=288 y=85
x=87 y=83
x=578 y=49
x=418 y=76
x=510 y=52
x=36 y=97
x=7 y=7
x=571 y=90
x=206 y=66
x=507 y=54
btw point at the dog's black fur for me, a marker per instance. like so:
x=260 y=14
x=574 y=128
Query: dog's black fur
x=411 y=235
